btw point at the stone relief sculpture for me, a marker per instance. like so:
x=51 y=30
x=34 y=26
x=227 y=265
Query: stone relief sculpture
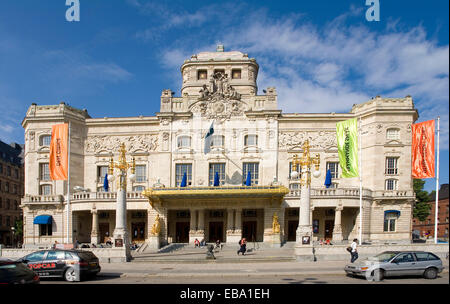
x=134 y=143
x=220 y=100
x=317 y=139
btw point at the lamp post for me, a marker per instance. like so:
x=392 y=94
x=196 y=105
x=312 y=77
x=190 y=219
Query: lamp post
x=13 y=230
x=304 y=230
x=120 y=234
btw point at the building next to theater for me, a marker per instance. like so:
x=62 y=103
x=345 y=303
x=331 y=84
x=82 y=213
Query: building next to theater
x=251 y=134
x=11 y=192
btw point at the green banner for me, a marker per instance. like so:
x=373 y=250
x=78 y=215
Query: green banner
x=347 y=141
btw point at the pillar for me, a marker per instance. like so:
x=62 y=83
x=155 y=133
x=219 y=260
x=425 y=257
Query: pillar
x=193 y=226
x=94 y=231
x=337 y=230
x=304 y=229
x=121 y=232
x=234 y=226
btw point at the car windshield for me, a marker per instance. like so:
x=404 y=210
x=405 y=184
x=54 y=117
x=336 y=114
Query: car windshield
x=384 y=256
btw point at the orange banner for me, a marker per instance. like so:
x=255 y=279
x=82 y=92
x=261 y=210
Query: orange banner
x=423 y=149
x=58 y=152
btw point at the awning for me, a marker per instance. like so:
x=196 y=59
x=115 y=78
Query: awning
x=396 y=212
x=43 y=219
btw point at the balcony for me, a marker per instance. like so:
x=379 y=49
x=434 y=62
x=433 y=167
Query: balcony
x=332 y=193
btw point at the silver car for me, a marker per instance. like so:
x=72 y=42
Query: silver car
x=397 y=263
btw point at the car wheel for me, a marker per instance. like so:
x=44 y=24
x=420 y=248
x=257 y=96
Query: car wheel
x=70 y=275
x=430 y=273
x=378 y=274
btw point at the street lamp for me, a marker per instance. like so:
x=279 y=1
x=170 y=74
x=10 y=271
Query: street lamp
x=304 y=230
x=13 y=230
x=120 y=234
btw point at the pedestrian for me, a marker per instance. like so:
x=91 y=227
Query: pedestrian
x=243 y=246
x=54 y=245
x=354 y=251
x=196 y=243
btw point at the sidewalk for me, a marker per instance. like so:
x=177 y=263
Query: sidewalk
x=210 y=268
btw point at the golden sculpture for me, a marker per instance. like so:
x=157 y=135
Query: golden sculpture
x=275 y=224
x=123 y=166
x=305 y=162
x=156 y=228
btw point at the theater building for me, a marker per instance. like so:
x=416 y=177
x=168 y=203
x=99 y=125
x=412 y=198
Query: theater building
x=251 y=134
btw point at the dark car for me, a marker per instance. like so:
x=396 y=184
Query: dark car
x=13 y=272
x=397 y=263
x=72 y=265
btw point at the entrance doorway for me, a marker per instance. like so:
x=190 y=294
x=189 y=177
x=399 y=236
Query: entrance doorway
x=292 y=231
x=103 y=228
x=215 y=231
x=249 y=230
x=137 y=232
x=182 y=232
x=329 y=225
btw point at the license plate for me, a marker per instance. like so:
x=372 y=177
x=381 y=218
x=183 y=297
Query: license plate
x=93 y=264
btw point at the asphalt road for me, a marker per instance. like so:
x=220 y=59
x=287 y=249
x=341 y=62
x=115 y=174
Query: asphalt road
x=240 y=279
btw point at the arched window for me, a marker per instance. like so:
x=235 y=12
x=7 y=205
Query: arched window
x=184 y=142
x=45 y=140
x=391 y=184
x=251 y=140
x=392 y=134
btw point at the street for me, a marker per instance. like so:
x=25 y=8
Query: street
x=242 y=279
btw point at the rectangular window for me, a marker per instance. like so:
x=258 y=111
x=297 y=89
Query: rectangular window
x=297 y=168
x=45 y=230
x=236 y=74
x=202 y=74
x=1 y=168
x=254 y=172
x=220 y=169
x=8 y=221
x=389 y=222
x=46 y=190
x=217 y=141
x=391 y=165
x=392 y=134
x=251 y=140
x=391 y=184
x=141 y=175
x=101 y=173
x=8 y=171
x=44 y=172
x=180 y=169
x=7 y=187
x=184 y=142
x=334 y=169
x=45 y=140
x=16 y=173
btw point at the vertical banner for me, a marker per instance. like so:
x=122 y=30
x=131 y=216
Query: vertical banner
x=422 y=153
x=347 y=141
x=58 y=152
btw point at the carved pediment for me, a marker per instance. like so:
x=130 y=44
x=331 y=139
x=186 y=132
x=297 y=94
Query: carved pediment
x=322 y=140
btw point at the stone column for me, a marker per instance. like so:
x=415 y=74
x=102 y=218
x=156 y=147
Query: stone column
x=201 y=224
x=230 y=224
x=193 y=226
x=304 y=224
x=234 y=226
x=94 y=231
x=337 y=230
x=121 y=231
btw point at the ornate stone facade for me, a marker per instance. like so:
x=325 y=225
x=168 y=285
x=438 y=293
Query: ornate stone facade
x=250 y=134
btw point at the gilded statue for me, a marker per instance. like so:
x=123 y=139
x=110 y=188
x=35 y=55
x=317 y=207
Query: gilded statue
x=275 y=224
x=156 y=228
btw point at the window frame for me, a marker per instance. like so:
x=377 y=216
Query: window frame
x=222 y=173
x=254 y=174
x=246 y=140
x=236 y=70
x=389 y=134
x=180 y=172
x=43 y=139
x=141 y=178
x=180 y=142
x=390 y=222
x=391 y=165
x=395 y=184
x=41 y=188
x=44 y=171
x=201 y=72
x=335 y=172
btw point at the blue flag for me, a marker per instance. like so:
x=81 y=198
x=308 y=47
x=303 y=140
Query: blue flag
x=105 y=183
x=184 y=181
x=216 y=179
x=328 y=179
x=208 y=138
x=248 y=182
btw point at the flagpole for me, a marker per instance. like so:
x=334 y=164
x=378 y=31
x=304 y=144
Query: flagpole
x=437 y=188
x=68 y=187
x=360 y=185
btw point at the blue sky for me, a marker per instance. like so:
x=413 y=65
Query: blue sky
x=322 y=56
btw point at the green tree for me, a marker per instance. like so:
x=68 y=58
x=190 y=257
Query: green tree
x=421 y=208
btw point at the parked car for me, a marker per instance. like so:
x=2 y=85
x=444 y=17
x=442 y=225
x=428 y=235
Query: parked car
x=397 y=263
x=72 y=265
x=13 y=272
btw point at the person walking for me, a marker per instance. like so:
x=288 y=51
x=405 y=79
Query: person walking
x=354 y=251
x=243 y=248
